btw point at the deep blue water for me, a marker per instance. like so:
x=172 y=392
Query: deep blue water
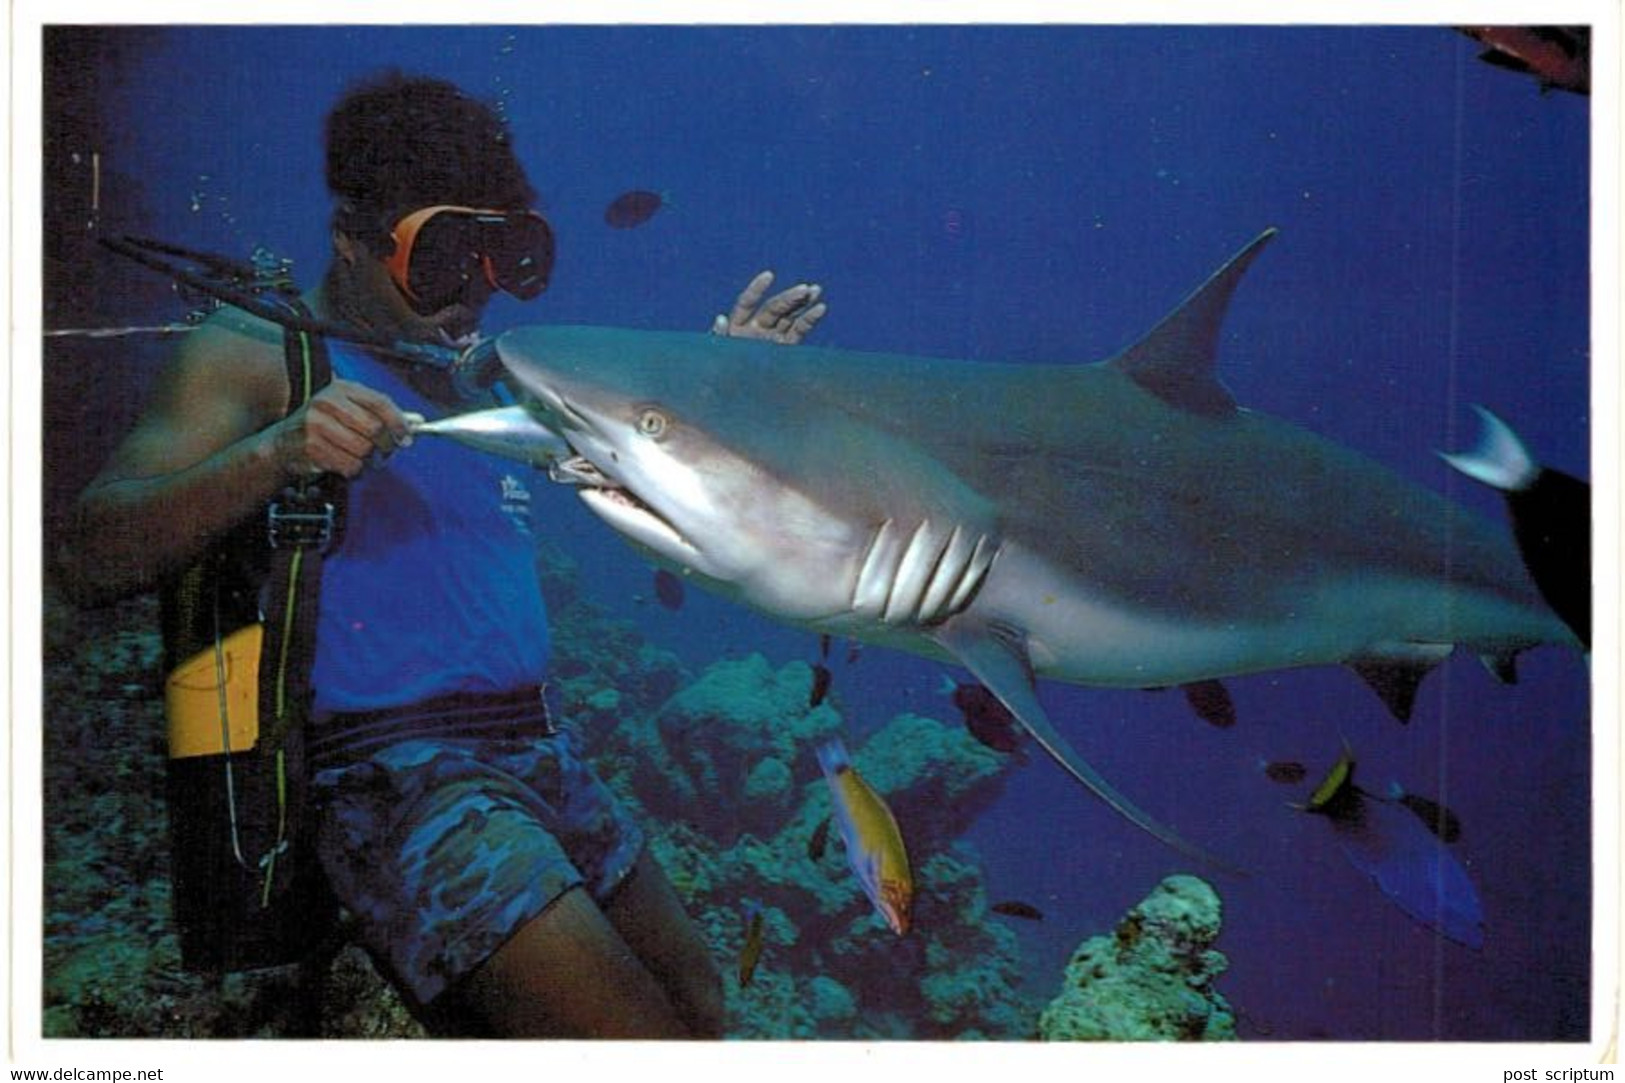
x=1048 y=193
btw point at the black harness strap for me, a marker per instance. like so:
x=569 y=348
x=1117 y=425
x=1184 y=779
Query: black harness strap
x=302 y=524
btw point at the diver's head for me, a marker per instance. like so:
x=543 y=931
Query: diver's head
x=433 y=209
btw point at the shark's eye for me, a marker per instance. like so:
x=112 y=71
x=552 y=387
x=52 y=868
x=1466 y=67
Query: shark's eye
x=652 y=423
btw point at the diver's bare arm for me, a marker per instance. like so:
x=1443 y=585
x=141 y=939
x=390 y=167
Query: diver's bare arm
x=203 y=459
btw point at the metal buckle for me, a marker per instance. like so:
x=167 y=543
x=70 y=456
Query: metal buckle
x=299 y=521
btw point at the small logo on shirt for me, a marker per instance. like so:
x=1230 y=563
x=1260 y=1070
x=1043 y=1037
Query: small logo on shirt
x=516 y=503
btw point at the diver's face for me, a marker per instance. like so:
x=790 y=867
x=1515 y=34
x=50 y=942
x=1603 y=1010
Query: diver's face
x=386 y=307
x=459 y=317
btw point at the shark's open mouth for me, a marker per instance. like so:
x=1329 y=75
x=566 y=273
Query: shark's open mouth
x=621 y=507
x=581 y=472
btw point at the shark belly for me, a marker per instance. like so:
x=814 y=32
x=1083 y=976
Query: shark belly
x=1081 y=635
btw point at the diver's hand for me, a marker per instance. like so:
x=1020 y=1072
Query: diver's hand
x=785 y=317
x=338 y=431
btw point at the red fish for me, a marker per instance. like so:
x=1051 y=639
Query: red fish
x=1557 y=56
x=633 y=208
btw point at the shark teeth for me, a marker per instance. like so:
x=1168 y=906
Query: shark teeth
x=923 y=579
x=632 y=517
x=580 y=471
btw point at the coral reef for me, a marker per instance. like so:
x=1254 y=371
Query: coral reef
x=725 y=772
x=719 y=766
x=1152 y=978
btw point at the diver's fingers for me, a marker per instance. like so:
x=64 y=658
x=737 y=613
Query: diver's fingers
x=345 y=424
x=371 y=413
x=805 y=322
x=781 y=309
x=745 y=307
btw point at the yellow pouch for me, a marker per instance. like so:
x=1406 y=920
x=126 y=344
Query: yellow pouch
x=192 y=697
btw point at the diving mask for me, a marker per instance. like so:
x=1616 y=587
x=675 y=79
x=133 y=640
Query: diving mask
x=440 y=249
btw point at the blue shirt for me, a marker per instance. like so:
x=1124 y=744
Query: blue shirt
x=433 y=587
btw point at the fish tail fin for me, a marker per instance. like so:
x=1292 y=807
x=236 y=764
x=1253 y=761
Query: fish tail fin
x=1500 y=460
x=832 y=757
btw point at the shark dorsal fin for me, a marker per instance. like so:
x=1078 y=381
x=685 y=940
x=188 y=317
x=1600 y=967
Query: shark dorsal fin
x=1175 y=361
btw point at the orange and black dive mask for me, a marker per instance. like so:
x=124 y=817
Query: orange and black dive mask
x=439 y=250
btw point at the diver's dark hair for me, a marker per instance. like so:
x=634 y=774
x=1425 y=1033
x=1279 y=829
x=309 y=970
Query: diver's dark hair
x=397 y=142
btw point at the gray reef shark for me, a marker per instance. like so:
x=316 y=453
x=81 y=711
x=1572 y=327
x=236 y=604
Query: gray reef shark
x=1121 y=523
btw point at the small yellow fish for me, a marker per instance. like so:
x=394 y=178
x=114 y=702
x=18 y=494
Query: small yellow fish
x=751 y=952
x=874 y=845
x=1332 y=795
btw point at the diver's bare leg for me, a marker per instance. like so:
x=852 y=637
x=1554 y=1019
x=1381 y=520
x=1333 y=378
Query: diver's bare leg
x=646 y=912
x=567 y=973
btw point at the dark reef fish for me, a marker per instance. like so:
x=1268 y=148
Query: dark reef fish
x=1284 y=771
x=875 y=497
x=669 y=589
x=821 y=678
x=1435 y=817
x=1557 y=56
x=750 y=952
x=1012 y=908
x=988 y=720
x=1211 y=701
x=633 y=208
x=818 y=841
x=1551 y=518
x=1409 y=863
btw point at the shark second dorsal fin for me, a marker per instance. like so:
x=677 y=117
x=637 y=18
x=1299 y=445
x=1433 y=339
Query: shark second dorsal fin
x=998 y=658
x=1175 y=361
x=1395 y=671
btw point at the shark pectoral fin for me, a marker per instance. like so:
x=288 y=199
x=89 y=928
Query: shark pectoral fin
x=998 y=658
x=1395 y=671
x=1175 y=361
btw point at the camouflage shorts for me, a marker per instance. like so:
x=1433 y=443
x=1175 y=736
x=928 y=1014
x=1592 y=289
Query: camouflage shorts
x=443 y=848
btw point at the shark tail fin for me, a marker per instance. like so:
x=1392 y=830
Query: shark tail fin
x=997 y=657
x=1176 y=360
x=1500 y=460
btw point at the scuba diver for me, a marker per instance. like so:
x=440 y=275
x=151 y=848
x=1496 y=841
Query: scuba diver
x=487 y=870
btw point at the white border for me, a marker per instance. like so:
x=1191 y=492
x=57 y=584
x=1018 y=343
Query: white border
x=783 y=1063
